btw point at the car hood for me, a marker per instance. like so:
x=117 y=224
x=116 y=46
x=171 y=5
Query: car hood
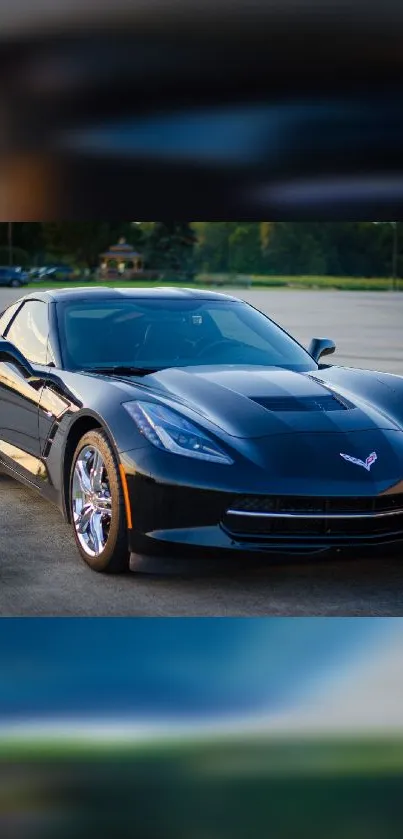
x=248 y=402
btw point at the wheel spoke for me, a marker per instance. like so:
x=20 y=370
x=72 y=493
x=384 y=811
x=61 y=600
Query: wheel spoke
x=96 y=472
x=83 y=476
x=96 y=531
x=84 y=518
x=104 y=503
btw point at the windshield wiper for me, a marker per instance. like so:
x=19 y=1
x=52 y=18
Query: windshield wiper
x=122 y=370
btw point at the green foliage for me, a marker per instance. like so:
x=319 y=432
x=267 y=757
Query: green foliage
x=27 y=236
x=354 y=249
x=83 y=242
x=169 y=248
x=20 y=257
x=342 y=788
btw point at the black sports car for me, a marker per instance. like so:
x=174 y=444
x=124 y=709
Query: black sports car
x=161 y=420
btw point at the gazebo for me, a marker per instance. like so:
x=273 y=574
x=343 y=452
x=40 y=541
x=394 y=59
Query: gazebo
x=121 y=260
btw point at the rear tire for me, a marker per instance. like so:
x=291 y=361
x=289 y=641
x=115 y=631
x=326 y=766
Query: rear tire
x=97 y=505
x=15 y=284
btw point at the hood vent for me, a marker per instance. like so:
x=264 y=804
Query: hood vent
x=303 y=404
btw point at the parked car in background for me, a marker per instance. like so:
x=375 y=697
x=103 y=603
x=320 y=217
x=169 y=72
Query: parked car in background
x=60 y=272
x=52 y=273
x=14 y=277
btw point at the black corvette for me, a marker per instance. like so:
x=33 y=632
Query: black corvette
x=166 y=420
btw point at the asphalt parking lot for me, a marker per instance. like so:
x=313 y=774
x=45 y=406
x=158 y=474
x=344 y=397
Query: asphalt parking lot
x=41 y=573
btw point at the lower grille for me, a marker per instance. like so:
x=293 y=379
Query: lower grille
x=315 y=519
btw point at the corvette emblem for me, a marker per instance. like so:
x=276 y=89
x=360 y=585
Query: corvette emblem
x=366 y=464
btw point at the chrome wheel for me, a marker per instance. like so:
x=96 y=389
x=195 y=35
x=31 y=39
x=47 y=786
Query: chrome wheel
x=91 y=501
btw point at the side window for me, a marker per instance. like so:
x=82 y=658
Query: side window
x=7 y=316
x=29 y=331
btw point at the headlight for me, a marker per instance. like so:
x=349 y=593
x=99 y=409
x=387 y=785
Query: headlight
x=168 y=430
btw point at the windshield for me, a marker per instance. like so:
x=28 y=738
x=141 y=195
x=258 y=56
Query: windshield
x=160 y=333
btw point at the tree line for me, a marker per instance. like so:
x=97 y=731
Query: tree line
x=362 y=249
x=351 y=249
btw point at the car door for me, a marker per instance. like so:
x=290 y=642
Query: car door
x=20 y=396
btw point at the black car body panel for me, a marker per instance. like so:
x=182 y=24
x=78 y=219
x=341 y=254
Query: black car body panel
x=289 y=488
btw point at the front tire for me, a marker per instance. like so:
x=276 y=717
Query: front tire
x=97 y=505
x=15 y=284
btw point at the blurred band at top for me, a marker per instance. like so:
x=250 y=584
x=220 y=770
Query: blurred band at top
x=299 y=93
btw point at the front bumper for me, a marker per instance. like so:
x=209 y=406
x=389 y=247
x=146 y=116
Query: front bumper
x=170 y=519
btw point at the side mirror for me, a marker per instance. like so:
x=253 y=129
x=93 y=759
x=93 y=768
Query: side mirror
x=320 y=347
x=10 y=354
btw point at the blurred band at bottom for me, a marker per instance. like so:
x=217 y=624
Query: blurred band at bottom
x=201 y=729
